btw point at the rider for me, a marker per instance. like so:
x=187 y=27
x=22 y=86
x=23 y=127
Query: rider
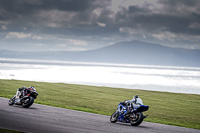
x=129 y=103
x=21 y=92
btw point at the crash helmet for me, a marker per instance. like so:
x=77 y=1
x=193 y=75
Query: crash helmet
x=135 y=96
x=31 y=88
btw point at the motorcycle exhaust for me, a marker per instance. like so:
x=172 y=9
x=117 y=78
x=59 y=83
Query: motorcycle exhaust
x=145 y=116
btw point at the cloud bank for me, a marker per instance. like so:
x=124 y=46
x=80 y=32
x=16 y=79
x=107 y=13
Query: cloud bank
x=88 y=24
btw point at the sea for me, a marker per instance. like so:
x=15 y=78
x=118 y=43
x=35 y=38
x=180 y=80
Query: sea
x=127 y=76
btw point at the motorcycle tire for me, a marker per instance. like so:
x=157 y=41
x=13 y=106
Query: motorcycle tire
x=28 y=103
x=11 y=101
x=138 y=120
x=114 y=117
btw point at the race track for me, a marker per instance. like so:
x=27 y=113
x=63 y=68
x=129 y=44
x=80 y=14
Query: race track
x=46 y=119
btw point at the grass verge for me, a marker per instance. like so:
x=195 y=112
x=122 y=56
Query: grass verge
x=166 y=108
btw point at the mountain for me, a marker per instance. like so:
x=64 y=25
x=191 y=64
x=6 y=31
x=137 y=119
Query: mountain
x=133 y=52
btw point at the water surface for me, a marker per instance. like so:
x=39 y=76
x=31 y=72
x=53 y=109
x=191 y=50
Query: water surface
x=155 y=78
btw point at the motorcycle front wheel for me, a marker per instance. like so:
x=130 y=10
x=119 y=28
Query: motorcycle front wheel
x=27 y=102
x=11 y=101
x=137 y=120
x=114 y=117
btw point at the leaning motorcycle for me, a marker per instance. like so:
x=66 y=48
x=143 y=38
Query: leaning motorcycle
x=134 y=115
x=26 y=98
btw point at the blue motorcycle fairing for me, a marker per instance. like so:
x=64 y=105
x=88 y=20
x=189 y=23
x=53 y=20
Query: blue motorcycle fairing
x=121 y=110
x=121 y=117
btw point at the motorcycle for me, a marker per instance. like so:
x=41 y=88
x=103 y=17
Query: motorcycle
x=133 y=115
x=25 y=97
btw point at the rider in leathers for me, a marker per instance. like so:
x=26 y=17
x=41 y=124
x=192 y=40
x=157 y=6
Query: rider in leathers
x=129 y=103
x=20 y=92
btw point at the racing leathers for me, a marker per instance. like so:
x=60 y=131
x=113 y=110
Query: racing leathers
x=129 y=104
x=19 y=93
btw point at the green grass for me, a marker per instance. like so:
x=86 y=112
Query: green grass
x=166 y=108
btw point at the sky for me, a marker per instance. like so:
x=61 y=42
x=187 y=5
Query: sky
x=78 y=25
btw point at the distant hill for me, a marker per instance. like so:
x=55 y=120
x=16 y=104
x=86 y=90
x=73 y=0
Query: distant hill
x=134 y=52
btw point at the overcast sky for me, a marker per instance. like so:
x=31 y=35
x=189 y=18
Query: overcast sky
x=70 y=25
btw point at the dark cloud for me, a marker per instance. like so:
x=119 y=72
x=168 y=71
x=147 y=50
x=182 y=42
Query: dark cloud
x=166 y=21
x=180 y=5
x=29 y=6
x=169 y=17
x=37 y=15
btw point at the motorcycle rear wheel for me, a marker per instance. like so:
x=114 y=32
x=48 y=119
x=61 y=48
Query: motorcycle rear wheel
x=114 y=117
x=137 y=120
x=28 y=102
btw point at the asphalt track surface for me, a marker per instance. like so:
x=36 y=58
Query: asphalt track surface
x=45 y=119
